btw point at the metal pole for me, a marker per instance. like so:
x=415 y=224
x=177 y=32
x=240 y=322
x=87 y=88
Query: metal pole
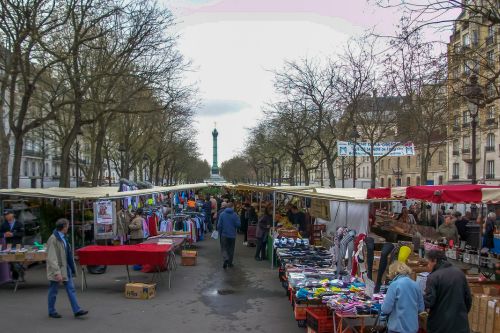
x=398 y=181
x=73 y=228
x=354 y=163
x=274 y=225
x=83 y=223
x=343 y=172
x=474 y=124
x=77 y=163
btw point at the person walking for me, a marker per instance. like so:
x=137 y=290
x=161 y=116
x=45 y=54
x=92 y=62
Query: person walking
x=228 y=223
x=244 y=221
x=61 y=269
x=207 y=210
x=447 y=296
x=262 y=233
x=404 y=300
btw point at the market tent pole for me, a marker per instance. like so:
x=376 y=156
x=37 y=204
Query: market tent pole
x=83 y=223
x=274 y=226
x=73 y=228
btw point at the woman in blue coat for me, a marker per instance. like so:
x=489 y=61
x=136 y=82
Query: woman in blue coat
x=404 y=300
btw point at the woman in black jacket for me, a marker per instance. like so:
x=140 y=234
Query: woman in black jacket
x=447 y=296
x=263 y=227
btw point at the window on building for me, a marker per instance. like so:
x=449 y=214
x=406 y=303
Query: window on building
x=466 y=67
x=25 y=168
x=389 y=164
x=456 y=170
x=382 y=165
x=418 y=180
x=73 y=171
x=441 y=158
x=490 y=140
x=40 y=169
x=469 y=170
x=33 y=169
x=491 y=31
x=466 y=40
x=418 y=161
x=466 y=142
x=490 y=169
x=389 y=182
x=490 y=56
x=465 y=117
x=492 y=112
x=408 y=181
x=46 y=169
x=456 y=120
x=490 y=90
x=382 y=182
x=440 y=180
x=455 y=145
x=475 y=37
x=408 y=162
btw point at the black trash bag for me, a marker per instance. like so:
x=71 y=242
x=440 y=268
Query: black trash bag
x=101 y=269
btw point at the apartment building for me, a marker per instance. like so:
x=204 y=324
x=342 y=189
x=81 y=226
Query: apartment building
x=473 y=48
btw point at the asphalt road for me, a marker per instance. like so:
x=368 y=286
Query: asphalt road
x=203 y=298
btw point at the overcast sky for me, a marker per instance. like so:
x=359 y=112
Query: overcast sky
x=234 y=44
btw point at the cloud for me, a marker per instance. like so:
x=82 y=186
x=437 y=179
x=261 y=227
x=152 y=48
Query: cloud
x=218 y=107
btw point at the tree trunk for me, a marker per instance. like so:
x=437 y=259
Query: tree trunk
x=4 y=158
x=16 y=163
x=293 y=167
x=373 y=173
x=97 y=165
x=331 y=171
x=65 y=180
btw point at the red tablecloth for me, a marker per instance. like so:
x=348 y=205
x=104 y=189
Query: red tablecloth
x=140 y=254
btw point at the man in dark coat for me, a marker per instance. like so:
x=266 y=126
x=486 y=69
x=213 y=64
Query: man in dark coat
x=11 y=230
x=447 y=296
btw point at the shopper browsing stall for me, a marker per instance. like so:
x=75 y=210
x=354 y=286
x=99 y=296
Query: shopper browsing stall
x=404 y=300
x=136 y=228
x=447 y=296
x=263 y=227
x=489 y=230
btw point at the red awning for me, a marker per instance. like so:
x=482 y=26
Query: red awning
x=439 y=193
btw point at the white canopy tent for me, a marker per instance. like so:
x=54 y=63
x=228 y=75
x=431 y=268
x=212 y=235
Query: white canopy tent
x=92 y=193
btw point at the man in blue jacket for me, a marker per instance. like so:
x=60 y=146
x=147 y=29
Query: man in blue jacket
x=228 y=223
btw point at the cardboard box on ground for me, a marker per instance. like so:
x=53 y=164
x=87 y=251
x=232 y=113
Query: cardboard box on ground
x=140 y=290
x=484 y=316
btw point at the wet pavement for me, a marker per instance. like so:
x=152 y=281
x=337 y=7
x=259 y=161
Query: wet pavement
x=203 y=298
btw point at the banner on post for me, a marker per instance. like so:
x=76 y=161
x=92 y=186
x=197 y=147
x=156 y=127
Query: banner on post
x=346 y=148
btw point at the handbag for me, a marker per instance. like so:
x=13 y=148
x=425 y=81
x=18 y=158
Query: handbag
x=380 y=326
x=215 y=234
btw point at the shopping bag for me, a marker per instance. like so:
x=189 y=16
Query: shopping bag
x=215 y=234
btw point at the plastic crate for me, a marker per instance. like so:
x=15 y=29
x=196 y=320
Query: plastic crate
x=319 y=319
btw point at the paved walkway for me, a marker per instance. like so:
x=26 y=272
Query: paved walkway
x=204 y=298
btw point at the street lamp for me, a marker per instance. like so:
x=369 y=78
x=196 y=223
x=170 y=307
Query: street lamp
x=354 y=137
x=79 y=133
x=121 y=149
x=474 y=94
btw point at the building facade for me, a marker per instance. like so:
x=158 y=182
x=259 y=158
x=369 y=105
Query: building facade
x=473 y=49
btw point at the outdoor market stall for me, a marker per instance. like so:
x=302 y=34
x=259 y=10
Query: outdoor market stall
x=105 y=212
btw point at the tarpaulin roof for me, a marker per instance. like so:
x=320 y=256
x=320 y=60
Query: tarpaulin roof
x=333 y=194
x=261 y=188
x=439 y=193
x=82 y=193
